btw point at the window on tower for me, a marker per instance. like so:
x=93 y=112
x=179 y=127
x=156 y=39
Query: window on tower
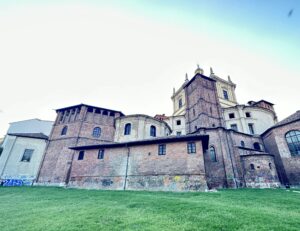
x=231 y=116
x=64 y=131
x=96 y=132
x=225 y=94
x=180 y=103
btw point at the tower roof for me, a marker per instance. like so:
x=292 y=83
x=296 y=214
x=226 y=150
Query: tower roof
x=82 y=104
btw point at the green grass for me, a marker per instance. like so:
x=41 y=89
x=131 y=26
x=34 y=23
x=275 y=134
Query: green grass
x=42 y=208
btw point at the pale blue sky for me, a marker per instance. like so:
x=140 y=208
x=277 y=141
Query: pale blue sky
x=128 y=55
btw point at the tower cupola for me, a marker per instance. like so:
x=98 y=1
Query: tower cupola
x=199 y=70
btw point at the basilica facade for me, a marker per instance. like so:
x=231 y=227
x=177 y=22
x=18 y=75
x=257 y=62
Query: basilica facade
x=209 y=141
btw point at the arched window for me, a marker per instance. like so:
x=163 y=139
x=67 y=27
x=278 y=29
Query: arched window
x=242 y=143
x=153 y=131
x=96 y=132
x=64 y=130
x=212 y=154
x=256 y=146
x=252 y=166
x=293 y=142
x=127 y=129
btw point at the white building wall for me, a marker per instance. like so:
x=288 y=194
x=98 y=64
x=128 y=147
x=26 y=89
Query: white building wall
x=140 y=128
x=172 y=122
x=31 y=126
x=11 y=165
x=7 y=145
x=262 y=119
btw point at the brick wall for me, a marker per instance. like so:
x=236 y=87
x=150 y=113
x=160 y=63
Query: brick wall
x=263 y=174
x=288 y=165
x=80 y=121
x=141 y=169
x=203 y=108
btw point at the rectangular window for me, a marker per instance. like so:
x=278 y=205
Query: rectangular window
x=231 y=116
x=191 y=147
x=225 y=94
x=161 y=149
x=251 y=128
x=101 y=154
x=81 y=155
x=180 y=103
x=248 y=114
x=234 y=127
x=27 y=155
x=178 y=122
x=178 y=133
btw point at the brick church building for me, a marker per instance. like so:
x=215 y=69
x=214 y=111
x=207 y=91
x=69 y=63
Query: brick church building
x=210 y=141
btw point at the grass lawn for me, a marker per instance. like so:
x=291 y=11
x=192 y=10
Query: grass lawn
x=47 y=208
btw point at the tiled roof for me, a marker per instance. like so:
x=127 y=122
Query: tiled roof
x=291 y=118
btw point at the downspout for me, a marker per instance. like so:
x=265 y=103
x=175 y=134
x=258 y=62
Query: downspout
x=42 y=161
x=233 y=169
x=126 y=170
x=46 y=148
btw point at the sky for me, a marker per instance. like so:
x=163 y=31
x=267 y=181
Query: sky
x=128 y=55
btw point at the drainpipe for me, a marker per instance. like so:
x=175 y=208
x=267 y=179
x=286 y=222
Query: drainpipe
x=230 y=152
x=126 y=171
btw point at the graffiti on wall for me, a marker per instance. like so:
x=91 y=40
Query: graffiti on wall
x=10 y=181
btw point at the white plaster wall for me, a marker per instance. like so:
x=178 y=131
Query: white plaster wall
x=179 y=95
x=31 y=126
x=7 y=146
x=13 y=167
x=172 y=122
x=140 y=128
x=261 y=119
